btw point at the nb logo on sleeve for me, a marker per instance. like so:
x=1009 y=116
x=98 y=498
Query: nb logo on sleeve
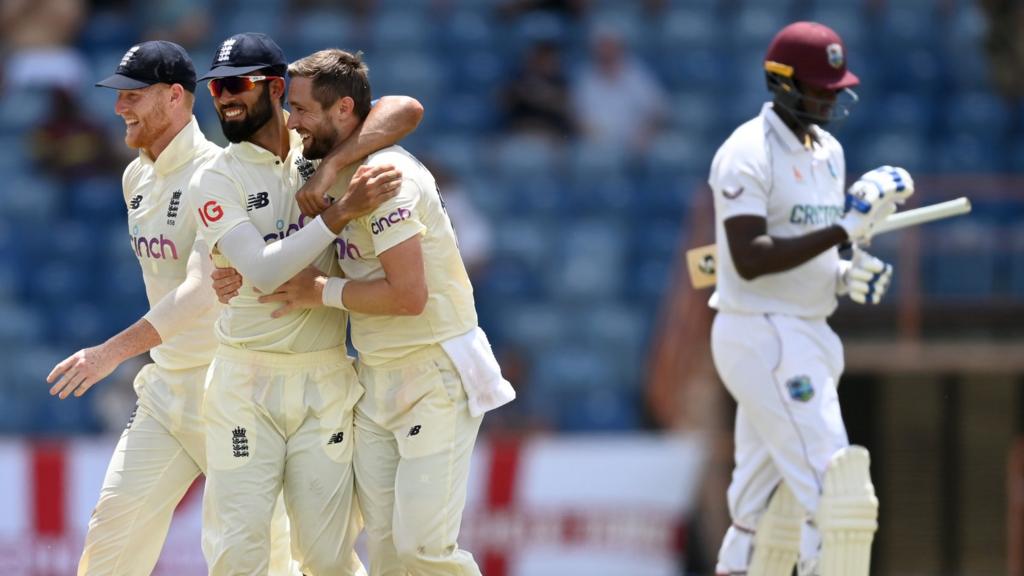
x=257 y=201
x=210 y=212
x=135 y=202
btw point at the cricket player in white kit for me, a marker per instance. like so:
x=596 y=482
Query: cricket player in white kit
x=163 y=449
x=280 y=390
x=781 y=214
x=427 y=368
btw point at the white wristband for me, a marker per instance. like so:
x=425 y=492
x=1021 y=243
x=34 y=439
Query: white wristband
x=332 y=292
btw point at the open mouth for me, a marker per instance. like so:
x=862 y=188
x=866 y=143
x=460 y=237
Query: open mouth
x=233 y=112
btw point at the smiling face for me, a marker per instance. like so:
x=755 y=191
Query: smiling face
x=242 y=115
x=311 y=120
x=145 y=113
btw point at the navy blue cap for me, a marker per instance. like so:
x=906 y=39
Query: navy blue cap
x=154 y=62
x=246 y=53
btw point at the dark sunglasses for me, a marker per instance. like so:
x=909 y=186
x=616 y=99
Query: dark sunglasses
x=235 y=84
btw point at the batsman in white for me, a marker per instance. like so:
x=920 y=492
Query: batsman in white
x=427 y=368
x=798 y=488
x=162 y=450
x=280 y=390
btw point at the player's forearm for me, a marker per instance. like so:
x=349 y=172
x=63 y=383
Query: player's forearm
x=766 y=254
x=191 y=299
x=267 y=266
x=380 y=298
x=134 y=340
x=390 y=120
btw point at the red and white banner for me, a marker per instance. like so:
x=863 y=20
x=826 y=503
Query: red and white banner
x=547 y=506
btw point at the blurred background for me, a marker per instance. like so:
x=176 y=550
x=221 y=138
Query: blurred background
x=572 y=141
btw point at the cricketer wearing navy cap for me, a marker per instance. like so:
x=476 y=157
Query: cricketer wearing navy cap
x=245 y=53
x=281 y=388
x=153 y=62
x=242 y=61
x=163 y=449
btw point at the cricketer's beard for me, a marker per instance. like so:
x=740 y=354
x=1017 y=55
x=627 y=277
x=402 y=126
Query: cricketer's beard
x=321 y=142
x=241 y=130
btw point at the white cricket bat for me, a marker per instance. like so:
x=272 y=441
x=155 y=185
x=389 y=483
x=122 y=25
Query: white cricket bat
x=701 y=261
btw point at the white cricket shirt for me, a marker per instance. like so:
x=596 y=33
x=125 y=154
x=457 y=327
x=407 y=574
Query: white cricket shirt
x=417 y=209
x=247 y=183
x=763 y=170
x=162 y=233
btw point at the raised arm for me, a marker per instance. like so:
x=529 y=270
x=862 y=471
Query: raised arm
x=267 y=266
x=391 y=119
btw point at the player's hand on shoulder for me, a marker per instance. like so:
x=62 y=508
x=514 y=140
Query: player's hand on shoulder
x=864 y=278
x=78 y=372
x=226 y=283
x=312 y=196
x=370 y=187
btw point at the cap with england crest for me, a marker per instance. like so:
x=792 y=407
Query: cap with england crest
x=245 y=53
x=153 y=62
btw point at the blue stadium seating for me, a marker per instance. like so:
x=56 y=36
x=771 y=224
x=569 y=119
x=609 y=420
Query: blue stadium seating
x=586 y=238
x=960 y=260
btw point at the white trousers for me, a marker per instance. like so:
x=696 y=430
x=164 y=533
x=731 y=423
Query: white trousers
x=783 y=373
x=159 y=455
x=414 y=440
x=280 y=422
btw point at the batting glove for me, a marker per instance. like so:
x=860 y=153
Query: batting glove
x=873 y=198
x=864 y=278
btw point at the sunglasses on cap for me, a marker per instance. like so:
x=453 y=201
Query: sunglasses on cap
x=235 y=84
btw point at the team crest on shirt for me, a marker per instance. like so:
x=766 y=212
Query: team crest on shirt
x=835 y=55
x=172 y=207
x=305 y=167
x=800 y=388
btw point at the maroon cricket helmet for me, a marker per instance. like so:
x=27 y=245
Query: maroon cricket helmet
x=812 y=54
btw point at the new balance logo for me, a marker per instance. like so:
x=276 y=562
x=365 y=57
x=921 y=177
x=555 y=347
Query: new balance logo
x=257 y=201
x=336 y=438
x=135 y=202
x=239 y=443
x=413 y=431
